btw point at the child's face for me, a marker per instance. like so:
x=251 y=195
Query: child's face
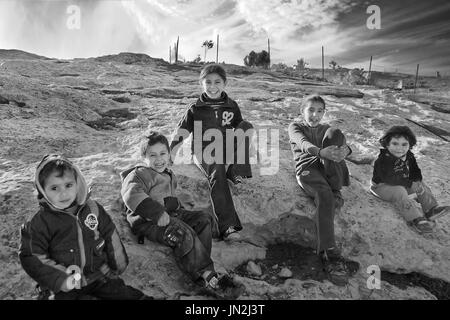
x=213 y=85
x=398 y=146
x=158 y=157
x=61 y=191
x=313 y=113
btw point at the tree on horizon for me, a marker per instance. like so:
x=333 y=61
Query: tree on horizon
x=208 y=44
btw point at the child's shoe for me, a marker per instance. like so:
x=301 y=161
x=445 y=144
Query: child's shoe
x=337 y=268
x=211 y=280
x=437 y=212
x=221 y=287
x=421 y=225
x=231 y=234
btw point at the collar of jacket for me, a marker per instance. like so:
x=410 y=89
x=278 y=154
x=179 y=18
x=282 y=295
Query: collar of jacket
x=204 y=100
x=126 y=172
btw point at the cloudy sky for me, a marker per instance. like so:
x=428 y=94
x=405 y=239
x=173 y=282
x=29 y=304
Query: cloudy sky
x=412 y=31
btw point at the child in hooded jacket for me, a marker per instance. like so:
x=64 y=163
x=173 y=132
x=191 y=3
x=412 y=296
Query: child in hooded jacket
x=71 y=247
x=155 y=212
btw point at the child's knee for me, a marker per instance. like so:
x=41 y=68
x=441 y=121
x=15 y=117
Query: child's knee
x=333 y=136
x=399 y=194
x=244 y=125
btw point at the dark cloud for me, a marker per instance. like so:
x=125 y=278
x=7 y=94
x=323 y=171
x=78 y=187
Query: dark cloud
x=411 y=32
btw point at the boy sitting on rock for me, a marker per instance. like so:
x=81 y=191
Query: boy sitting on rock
x=71 y=247
x=319 y=152
x=396 y=175
x=156 y=213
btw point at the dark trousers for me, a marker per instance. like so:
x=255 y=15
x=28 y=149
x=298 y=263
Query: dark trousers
x=104 y=289
x=323 y=181
x=192 y=247
x=216 y=173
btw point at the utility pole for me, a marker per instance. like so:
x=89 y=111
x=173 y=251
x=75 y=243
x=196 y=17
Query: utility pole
x=370 y=70
x=268 y=49
x=176 y=50
x=217 y=52
x=323 y=66
x=415 y=82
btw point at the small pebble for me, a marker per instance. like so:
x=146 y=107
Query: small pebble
x=285 y=273
x=254 y=269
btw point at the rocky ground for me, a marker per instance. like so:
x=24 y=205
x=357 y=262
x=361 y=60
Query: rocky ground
x=94 y=111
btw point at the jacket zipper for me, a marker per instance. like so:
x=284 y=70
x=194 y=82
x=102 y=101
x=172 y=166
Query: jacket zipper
x=80 y=244
x=81 y=247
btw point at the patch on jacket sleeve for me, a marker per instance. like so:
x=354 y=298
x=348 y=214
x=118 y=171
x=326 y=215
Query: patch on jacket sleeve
x=91 y=221
x=305 y=173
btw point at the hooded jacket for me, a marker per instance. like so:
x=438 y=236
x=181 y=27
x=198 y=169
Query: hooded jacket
x=396 y=171
x=221 y=114
x=53 y=240
x=143 y=192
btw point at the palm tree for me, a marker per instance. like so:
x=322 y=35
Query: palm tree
x=208 y=44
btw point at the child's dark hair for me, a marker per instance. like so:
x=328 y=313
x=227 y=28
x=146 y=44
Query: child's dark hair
x=213 y=68
x=59 y=166
x=311 y=99
x=397 y=132
x=152 y=138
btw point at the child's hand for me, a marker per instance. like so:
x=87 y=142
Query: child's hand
x=332 y=153
x=163 y=220
x=71 y=282
x=344 y=150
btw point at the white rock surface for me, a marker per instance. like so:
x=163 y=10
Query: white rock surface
x=285 y=273
x=253 y=269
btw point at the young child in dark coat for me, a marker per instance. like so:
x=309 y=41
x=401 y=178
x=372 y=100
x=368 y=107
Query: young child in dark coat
x=396 y=176
x=71 y=247
x=215 y=114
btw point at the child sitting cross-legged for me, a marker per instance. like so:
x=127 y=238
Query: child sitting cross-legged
x=396 y=175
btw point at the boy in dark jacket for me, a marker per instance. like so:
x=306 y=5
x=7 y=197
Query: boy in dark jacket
x=71 y=247
x=319 y=152
x=149 y=192
x=215 y=112
x=396 y=175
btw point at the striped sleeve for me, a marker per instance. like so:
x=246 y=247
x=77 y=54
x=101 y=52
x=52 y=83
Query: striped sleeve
x=34 y=256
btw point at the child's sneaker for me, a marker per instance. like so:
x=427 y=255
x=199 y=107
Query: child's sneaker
x=437 y=212
x=221 y=287
x=336 y=267
x=211 y=280
x=231 y=235
x=421 y=225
